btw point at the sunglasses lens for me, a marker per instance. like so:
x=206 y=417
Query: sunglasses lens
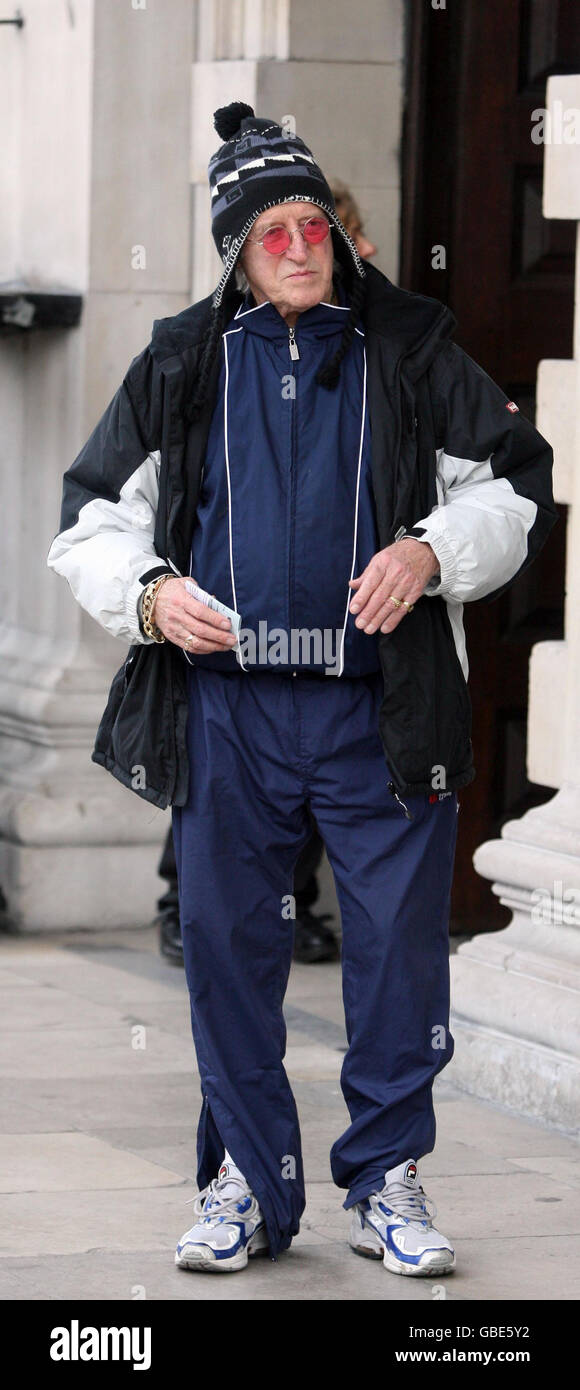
x=276 y=240
x=316 y=229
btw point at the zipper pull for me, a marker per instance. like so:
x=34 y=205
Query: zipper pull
x=405 y=809
x=294 y=353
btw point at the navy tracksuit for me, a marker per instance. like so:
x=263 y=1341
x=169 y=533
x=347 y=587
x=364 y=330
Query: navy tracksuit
x=285 y=519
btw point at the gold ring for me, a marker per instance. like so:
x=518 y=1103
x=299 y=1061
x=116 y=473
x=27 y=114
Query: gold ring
x=397 y=601
x=408 y=606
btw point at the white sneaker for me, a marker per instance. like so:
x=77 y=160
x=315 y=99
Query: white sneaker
x=395 y=1225
x=229 y=1225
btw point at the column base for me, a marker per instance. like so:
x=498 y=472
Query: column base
x=86 y=863
x=516 y=993
x=533 y=1080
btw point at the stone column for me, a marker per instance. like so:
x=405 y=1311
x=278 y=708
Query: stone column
x=96 y=100
x=516 y=993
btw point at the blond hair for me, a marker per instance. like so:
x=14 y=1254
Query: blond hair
x=346 y=206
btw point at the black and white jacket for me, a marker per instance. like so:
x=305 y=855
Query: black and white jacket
x=453 y=462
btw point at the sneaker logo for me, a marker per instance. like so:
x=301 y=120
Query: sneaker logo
x=410 y=1172
x=223 y=1172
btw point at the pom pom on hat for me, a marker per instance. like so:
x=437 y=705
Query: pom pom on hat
x=228 y=119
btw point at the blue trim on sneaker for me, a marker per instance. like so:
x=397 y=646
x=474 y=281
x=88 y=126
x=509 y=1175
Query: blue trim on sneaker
x=232 y=1249
x=394 y=1249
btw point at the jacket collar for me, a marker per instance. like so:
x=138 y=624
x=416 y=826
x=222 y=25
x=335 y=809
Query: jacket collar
x=411 y=326
x=415 y=325
x=266 y=321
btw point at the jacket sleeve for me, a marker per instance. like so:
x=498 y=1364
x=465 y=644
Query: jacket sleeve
x=495 y=504
x=105 y=545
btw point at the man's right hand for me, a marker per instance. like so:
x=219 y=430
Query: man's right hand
x=179 y=616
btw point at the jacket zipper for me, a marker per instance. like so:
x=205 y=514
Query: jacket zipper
x=412 y=422
x=405 y=809
x=295 y=356
x=128 y=662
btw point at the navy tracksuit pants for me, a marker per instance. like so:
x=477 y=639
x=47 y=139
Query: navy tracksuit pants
x=262 y=747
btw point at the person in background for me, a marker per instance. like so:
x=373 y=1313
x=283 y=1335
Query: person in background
x=313 y=939
x=349 y=213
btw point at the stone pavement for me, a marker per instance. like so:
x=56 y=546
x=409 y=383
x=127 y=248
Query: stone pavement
x=98 y=1154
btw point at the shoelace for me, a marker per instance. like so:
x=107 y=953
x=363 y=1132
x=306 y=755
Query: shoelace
x=224 y=1205
x=412 y=1206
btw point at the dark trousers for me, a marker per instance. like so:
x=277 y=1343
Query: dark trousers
x=306 y=888
x=264 y=750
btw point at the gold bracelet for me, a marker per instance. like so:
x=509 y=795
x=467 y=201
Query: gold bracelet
x=150 y=627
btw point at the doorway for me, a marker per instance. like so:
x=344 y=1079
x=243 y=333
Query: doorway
x=472 y=184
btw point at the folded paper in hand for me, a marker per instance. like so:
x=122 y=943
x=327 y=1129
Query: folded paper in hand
x=212 y=602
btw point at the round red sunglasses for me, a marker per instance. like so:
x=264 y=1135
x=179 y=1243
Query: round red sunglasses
x=277 y=239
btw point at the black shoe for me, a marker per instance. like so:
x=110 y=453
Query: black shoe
x=313 y=940
x=170 y=943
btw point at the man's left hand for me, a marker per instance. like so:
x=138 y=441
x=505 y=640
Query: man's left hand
x=402 y=569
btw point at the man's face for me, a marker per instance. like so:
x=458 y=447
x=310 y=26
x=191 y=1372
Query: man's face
x=298 y=278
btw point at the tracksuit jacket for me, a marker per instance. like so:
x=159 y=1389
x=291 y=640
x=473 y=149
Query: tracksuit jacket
x=440 y=454
x=288 y=477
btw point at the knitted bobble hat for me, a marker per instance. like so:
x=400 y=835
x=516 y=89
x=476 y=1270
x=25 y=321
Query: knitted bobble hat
x=259 y=165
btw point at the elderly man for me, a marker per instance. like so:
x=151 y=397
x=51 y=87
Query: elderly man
x=321 y=458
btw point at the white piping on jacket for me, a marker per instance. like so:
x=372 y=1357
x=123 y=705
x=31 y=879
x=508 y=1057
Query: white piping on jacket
x=340 y=308
x=227 y=455
x=360 y=450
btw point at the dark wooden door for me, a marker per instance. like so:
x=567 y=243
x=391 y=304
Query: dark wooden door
x=472 y=184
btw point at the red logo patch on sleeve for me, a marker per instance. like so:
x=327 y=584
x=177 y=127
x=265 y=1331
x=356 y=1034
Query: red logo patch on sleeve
x=511 y=405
